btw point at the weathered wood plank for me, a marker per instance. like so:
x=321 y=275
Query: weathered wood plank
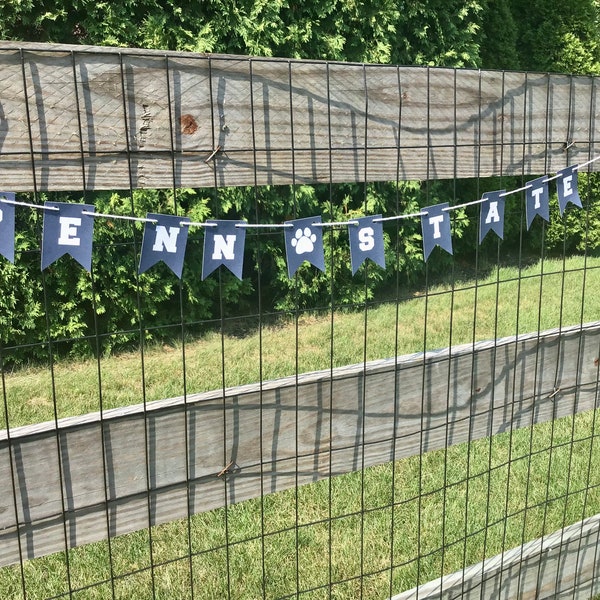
x=128 y=469
x=99 y=118
x=563 y=564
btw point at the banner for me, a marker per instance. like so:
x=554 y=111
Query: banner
x=304 y=241
x=223 y=245
x=165 y=238
x=67 y=230
x=435 y=222
x=366 y=241
x=566 y=189
x=537 y=200
x=491 y=215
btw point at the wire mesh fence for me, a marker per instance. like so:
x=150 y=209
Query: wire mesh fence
x=257 y=427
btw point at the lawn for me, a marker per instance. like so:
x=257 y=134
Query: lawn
x=375 y=532
x=506 y=302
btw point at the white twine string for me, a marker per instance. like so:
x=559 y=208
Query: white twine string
x=521 y=189
x=28 y=204
x=464 y=205
x=263 y=225
x=553 y=177
x=334 y=223
x=196 y=224
x=123 y=217
x=288 y=225
x=396 y=217
x=585 y=164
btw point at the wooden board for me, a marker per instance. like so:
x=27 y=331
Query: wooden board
x=133 y=467
x=563 y=564
x=102 y=118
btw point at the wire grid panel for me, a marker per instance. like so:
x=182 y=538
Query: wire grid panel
x=357 y=442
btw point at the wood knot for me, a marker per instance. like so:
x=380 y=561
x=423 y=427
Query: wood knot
x=145 y=127
x=188 y=124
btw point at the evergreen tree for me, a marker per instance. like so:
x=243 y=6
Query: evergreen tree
x=558 y=36
x=499 y=37
x=441 y=32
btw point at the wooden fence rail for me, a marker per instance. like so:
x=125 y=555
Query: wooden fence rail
x=74 y=117
x=377 y=412
x=564 y=564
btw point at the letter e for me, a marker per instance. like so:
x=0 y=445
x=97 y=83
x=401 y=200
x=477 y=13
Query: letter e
x=68 y=231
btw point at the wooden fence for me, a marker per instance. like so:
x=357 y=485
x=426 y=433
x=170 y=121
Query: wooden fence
x=469 y=392
x=561 y=565
x=91 y=118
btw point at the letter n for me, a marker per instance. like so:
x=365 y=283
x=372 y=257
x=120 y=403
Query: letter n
x=224 y=247
x=166 y=239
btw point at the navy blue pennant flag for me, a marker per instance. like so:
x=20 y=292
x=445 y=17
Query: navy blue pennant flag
x=304 y=241
x=366 y=241
x=491 y=216
x=7 y=226
x=435 y=223
x=165 y=238
x=537 y=200
x=224 y=245
x=67 y=231
x=566 y=187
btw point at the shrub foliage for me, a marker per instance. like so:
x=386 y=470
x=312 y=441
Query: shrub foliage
x=71 y=311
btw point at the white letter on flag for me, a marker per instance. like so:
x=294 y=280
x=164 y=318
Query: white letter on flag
x=567 y=189
x=435 y=221
x=224 y=247
x=493 y=213
x=366 y=239
x=536 y=195
x=166 y=240
x=68 y=231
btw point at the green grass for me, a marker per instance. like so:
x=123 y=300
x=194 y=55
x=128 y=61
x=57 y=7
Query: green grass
x=426 y=515
x=506 y=302
x=494 y=495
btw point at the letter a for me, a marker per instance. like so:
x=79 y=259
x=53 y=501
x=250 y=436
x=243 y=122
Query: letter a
x=493 y=216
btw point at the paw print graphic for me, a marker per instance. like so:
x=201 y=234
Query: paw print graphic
x=304 y=241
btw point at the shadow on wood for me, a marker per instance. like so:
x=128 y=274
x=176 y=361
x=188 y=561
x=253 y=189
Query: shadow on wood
x=131 y=468
x=103 y=118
